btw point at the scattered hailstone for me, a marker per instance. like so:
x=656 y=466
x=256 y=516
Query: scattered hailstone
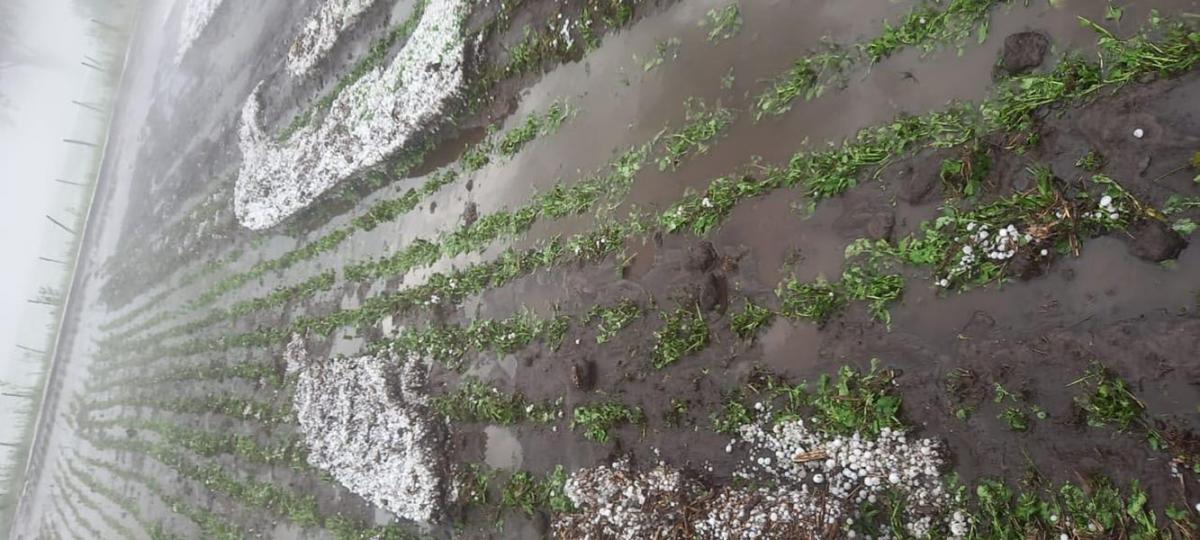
x=378 y=115
x=1139 y=133
x=367 y=422
x=321 y=31
x=802 y=484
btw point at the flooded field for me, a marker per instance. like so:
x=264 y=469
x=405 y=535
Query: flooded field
x=638 y=269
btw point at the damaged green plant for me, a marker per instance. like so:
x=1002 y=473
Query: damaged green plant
x=684 y=332
x=723 y=23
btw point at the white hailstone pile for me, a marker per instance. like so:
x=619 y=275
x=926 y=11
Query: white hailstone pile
x=809 y=485
x=368 y=121
x=1107 y=210
x=368 y=423
x=617 y=502
x=855 y=470
x=321 y=32
x=196 y=14
x=983 y=243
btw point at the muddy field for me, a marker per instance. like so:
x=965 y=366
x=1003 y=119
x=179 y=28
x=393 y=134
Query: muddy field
x=690 y=269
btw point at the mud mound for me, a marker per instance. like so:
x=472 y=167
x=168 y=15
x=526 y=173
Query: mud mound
x=368 y=121
x=366 y=422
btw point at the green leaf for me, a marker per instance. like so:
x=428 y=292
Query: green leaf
x=1184 y=226
x=1113 y=13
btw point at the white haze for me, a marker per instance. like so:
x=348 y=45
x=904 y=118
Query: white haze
x=32 y=155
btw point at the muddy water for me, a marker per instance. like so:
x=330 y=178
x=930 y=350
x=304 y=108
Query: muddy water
x=1094 y=305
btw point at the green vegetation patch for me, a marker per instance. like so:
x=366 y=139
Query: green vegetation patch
x=704 y=125
x=599 y=419
x=748 y=322
x=723 y=22
x=474 y=401
x=613 y=319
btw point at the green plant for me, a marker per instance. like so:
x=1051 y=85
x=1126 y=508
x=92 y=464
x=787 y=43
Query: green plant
x=525 y=493
x=724 y=22
x=676 y=414
x=817 y=301
x=474 y=401
x=684 y=332
x=704 y=124
x=1091 y=162
x=750 y=320
x=597 y=420
x=614 y=319
x=667 y=49
x=926 y=26
x=471 y=481
x=1109 y=401
x=965 y=176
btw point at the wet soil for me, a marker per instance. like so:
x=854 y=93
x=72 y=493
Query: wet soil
x=1112 y=305
x=1117 y=302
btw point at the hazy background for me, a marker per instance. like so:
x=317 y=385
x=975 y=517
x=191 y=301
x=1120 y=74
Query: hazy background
x=42 y=45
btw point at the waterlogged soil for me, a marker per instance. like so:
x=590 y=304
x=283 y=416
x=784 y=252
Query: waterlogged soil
x=1036 y=337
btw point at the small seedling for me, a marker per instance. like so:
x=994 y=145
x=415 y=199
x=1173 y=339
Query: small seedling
x=676 y=414
x=1016 y=419
x=667 y=49
x=1091 y=162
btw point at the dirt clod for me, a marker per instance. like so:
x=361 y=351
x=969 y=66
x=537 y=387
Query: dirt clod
x=470 y=214
x=701 y=256
x=1023 y=51
x=1152 y=240
x=714 y=296
x=583 y=375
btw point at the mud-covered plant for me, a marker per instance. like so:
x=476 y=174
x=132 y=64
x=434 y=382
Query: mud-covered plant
x=817 y=301
x=675 y=415
x=684 y=332
x=535 y=125
x=1091 y=162
x=667 y=49
x=613 y=319
x=1109 y=401
x=474 y=401
x=732 y=415
x=598 y=420
x=1196 y=167
x=704 y=124
x=964 y=175
x=750 y=320
x=1016 y=419
x=856 y=402
x=471 y=482
x=807 y=78
x=723 y=22
x=526 y=493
